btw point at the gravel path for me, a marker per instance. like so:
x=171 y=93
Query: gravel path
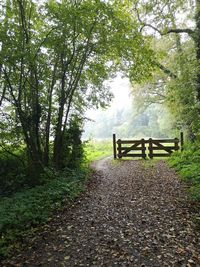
x=133 y=214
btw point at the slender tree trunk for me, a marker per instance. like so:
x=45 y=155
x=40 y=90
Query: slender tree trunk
x=197 y=42
x=57 y=154
x=66 y=97
x=35 y=166
x=49 y=114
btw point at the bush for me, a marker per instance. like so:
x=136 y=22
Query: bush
x=72 y=151
x=12 y=173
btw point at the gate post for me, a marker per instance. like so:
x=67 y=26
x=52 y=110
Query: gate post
x=176 y=141
x=182 y=141
x=114 y=146
x=119 y=148
x=150 y=148
x=143 y=148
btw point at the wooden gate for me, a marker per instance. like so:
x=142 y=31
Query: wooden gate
x=131 y=148
x=162 y=147
x=137 y=148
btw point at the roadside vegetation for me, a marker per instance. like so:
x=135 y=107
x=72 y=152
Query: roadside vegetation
x=23 y=206
x=186 y=163
x=25 y=210
x=95 y=149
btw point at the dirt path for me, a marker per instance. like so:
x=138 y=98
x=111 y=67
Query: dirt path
x=131 y=215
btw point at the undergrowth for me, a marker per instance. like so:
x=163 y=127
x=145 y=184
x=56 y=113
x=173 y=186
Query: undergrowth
x=186 y=163
x=13 y=176
x=29 y=208
x=23 y=207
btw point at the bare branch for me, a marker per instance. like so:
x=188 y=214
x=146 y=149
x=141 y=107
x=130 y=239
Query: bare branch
x=188 y=31
x=10 y=86
x=152 y=27
x=3 y=94
x=144 y=24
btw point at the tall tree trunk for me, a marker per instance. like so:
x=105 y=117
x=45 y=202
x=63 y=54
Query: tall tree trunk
x=35 y=165
x=49 y=114
x=66 y=97
x=197 y=42
x=57 y=154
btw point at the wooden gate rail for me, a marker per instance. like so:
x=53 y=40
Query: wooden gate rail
x=120 y=148
x=157 y=144
x=137 y=145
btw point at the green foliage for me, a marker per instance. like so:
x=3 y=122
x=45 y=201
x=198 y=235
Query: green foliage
x=73 y=153
x=33 y=206
x=55 y=57
x=186 y=163
x=195 y=194
x=13 y=174
x=95 y=150
x=174 y=82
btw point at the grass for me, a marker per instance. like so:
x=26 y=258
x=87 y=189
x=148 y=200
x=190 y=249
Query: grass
x=95 y=150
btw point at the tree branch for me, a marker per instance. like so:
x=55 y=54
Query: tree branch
x=188 y=31
x=144 y=24
x=10 y=86
x=150 y=26
x=3 y=94
x=165 y=70
x=9 y=152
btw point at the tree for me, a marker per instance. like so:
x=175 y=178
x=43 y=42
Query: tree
x=176 y=78
x=54 y=59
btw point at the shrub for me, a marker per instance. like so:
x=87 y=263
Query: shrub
x=12 y=173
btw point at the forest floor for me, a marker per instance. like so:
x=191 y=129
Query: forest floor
x=132 y=214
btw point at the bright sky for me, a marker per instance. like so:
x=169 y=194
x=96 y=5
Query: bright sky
x=121 y=90
x=122 y=98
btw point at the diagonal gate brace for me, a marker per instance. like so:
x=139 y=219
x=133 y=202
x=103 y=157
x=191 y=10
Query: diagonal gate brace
x=169 y=150
x=128 y=149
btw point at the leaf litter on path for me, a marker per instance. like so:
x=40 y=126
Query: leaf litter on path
x=129 y=216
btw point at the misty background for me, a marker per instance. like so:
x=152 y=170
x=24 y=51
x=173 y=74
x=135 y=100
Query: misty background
x=125 y=119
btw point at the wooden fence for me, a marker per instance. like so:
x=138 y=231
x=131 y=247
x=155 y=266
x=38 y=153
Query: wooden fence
x=138 y=148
